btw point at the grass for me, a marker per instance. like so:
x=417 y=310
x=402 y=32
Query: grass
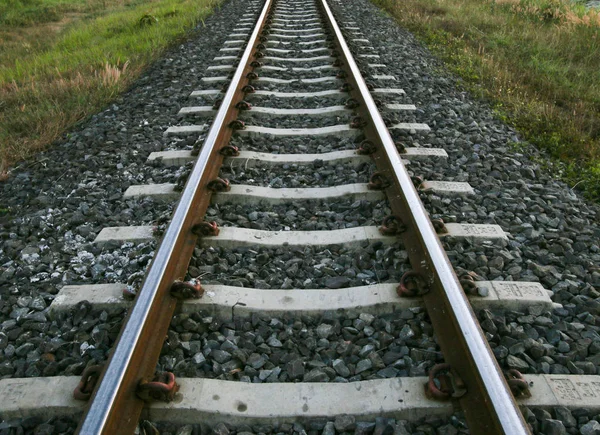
x=62 y=60
x=536 y=61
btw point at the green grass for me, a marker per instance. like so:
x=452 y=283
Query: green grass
x=62 y=60
x=29 y=12
x=536 y=61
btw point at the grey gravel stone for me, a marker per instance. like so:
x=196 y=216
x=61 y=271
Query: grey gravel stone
x=363 y=364
x=345 y=422
x=592 y=427
x=553 y=427
x=340 y=367
x=221 y=429
x=337 y=282
x=220 y=356
x=256 y=361
x=295 y=369
x=564 y=415
x=316 y=375
x=324 y=330
x=329 y=428
x=364 y=428
x=516 y=363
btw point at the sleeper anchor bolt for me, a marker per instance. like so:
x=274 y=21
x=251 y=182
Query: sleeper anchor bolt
x=392 y=226
x=162 y=387
x=439 y=226
x=237 y=124
x=358 y=122
x=366 y=148
x=467 y=282
x=89 y=378
x=206 y=229
x=444 y=383
x=378 y=181
x=182 y=290
x=229 y=151
x=517 y=383
x=412 y=284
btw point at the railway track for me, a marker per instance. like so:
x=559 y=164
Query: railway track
x=303 y=145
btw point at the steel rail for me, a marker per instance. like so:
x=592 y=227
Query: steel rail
x=114 y=407
x=489 y=406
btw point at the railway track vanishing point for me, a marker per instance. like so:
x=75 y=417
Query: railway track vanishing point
x=286 y=45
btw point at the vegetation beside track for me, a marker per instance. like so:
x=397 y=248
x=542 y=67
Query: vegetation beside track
x=536 y=61
x=62 y=60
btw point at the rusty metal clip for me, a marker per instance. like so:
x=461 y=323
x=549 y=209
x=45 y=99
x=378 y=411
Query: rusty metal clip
x=392 y=226
x=366 y=148
x=243 y=105
x=467 y=281
x=259 y=54
x=205 y=229
x=182 y=290
x=370 y=86
x=256 y=64
x=378 y=181
x=352 y=103
x=358 y=122
x=417 y=180
x=378 y=103
x=163 y=387
x=412 y=284
x=400 y=147
x=229 y=151
x=248 y=89
x=337 y=63
x=517 y=383
x=89 y=378
x=252 y=76
x=444 y=383
x=219 y=185
x=237 y=124
x=129 y=293
x=346 y=87
x=196 y=149
x=217 y=103
x=439 y=226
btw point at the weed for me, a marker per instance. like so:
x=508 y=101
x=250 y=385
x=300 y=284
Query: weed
x=111 y=74
x=147 y=20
